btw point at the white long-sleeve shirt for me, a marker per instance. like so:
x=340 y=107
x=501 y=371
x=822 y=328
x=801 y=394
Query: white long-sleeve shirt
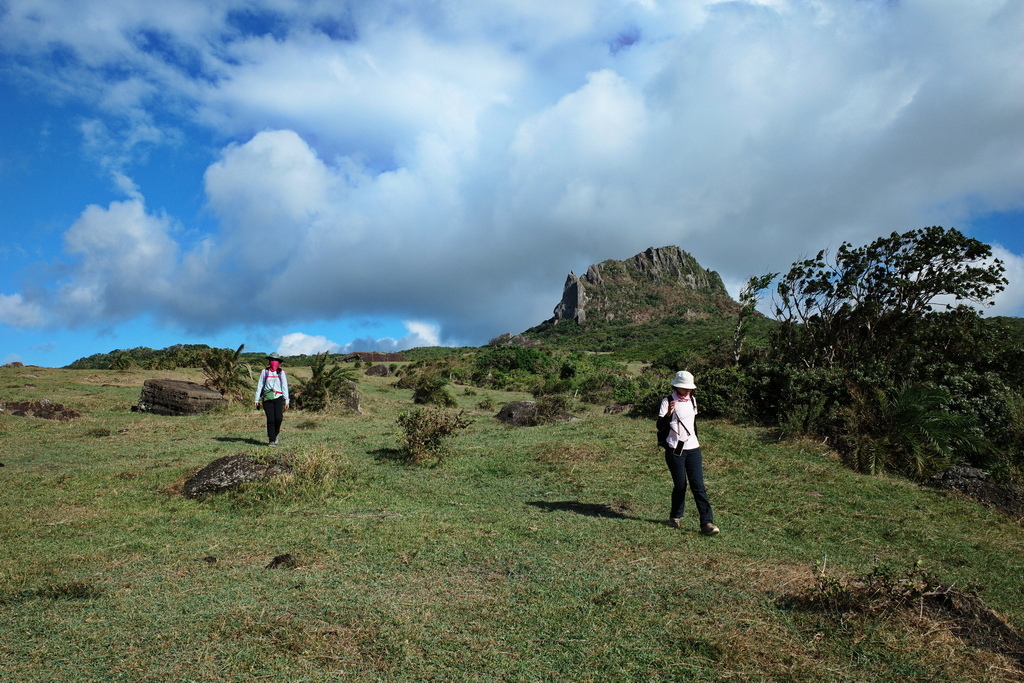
x=682 y=428
x=272 y=380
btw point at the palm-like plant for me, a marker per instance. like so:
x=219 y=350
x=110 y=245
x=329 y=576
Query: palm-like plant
x=908 y=430
x=324 y=384
x=226 y=372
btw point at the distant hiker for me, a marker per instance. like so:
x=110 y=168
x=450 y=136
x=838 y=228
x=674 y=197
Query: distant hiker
x=677 y=434
x=272 y=390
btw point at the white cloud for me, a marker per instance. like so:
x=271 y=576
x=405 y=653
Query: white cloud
x=1011 y=300
x=17 y=312
x=298 y=344
x=451 y=162
x=420 y=334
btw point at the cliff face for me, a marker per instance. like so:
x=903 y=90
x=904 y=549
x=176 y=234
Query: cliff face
x=657 y=283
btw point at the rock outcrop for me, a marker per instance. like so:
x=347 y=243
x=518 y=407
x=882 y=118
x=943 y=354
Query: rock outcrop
x=177 y=397
x=518 y=414
x=230 y=472
x=374 y=357
x=43 y=409
x=977 y=484
x=378 y=370
x=658 y=283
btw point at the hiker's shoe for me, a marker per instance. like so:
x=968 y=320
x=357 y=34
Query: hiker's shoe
x=709 y=529
x=274 y=442
x=674 y=522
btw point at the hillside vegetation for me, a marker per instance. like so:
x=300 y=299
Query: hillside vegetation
x=526 y=554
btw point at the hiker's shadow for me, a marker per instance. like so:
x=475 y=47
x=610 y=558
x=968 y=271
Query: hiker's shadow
x=239 y=439
x=591 y=510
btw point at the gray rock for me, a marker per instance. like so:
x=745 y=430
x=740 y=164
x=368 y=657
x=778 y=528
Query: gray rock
x=378 y=370
x=231 y=471
x=1005 y=496
x=177 y=397
x=43 y=409
x=518 y=413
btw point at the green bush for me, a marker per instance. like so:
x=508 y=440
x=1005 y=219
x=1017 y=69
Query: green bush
x=428 y=432
x=226 y=372
x=432 y=388
x=552 y=408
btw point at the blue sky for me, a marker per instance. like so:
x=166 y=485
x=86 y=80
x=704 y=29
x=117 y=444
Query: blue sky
x=305 y=175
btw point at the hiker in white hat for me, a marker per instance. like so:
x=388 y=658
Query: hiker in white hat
x=678 y=412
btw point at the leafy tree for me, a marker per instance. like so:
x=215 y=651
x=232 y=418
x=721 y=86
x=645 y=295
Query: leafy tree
x=879 y=350
x=852 y=308
x=123 y=361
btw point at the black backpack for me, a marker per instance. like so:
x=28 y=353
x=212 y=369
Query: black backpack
x=664 y=425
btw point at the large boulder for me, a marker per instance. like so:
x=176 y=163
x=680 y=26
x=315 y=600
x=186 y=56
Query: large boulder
x=231 y=471
x=518 y=414
x=178 y=397
x=378 y=370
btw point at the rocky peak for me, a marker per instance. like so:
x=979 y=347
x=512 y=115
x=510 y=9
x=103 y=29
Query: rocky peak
x=658 y=283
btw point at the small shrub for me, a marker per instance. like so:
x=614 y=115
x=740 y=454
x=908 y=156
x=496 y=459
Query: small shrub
x=552 y=408
x=428 y=432
x=487 y=403
x=432 y=389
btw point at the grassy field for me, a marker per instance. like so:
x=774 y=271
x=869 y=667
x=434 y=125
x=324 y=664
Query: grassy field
x=531 y=554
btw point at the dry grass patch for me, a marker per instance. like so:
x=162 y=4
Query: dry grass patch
x=912 y=613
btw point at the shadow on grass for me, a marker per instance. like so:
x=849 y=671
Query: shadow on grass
x=239 y=439
x=394 y=455
x=587 y=509
x=618 y=511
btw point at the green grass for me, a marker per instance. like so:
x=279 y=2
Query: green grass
x=527 y=555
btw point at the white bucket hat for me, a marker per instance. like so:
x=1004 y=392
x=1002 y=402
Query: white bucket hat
x=683 y=380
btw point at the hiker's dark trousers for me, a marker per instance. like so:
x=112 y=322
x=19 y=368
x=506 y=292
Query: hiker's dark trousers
x=275 y=416
x=688 y=467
